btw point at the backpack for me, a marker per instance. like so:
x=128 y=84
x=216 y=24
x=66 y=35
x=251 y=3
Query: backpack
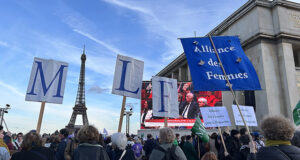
x=169 y=153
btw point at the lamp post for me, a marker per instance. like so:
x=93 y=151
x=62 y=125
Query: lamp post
x=2 y=111
x=128 y=114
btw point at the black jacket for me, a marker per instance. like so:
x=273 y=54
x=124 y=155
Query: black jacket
x=36 y=153
x=193 y=110
x=88 y=151
x=129 y=155
x=181 y=144
x=233 y=148
x=281 y=152
x=244 y=152
x=149 y=146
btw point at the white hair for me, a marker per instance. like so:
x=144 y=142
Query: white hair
x=120 y=140
x=202 y=99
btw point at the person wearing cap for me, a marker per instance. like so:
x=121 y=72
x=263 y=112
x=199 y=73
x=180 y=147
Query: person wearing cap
x=257 y=139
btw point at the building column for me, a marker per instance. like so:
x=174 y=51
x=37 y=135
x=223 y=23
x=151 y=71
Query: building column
x=270 y=99
x=180 y=74
x=287 y=71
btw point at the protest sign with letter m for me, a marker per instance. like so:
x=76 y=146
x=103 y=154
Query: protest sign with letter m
x=47 y=81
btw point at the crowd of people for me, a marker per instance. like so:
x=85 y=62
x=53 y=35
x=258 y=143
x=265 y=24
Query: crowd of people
x=277 y=140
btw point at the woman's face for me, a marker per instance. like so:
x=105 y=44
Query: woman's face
x=185 y=86
x=201 y=103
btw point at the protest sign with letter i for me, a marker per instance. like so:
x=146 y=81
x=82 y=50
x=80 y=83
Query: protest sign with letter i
x=46 y=84
x=165 y=98
x=127 y=80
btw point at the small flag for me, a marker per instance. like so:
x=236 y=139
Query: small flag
x=199 y=130
x=105 y=131
x=296 y=114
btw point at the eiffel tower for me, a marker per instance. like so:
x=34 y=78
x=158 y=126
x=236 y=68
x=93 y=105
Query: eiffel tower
x=80 y=108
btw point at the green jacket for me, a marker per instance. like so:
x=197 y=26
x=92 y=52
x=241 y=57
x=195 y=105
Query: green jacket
x=189 y=151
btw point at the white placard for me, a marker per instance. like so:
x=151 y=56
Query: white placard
x=128 y=77
x=248 y=113
x=215 y=116
x=165 y=97
x=47 y=81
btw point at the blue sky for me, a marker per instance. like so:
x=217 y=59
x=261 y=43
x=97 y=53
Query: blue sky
x=56 y=29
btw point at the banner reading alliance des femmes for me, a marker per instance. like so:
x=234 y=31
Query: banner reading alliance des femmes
x=207 y=75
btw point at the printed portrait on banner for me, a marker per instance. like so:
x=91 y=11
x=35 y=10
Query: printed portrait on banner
x=189 y=104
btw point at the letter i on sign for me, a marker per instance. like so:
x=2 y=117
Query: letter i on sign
x=165 y=98
x=163 y=95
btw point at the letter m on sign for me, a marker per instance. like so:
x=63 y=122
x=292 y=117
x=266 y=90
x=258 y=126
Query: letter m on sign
x=47 y=81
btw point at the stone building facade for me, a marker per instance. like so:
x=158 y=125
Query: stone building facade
x=269 y=32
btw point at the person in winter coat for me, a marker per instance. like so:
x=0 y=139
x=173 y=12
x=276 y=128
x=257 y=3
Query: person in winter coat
x=149 y=145
x=181 y=144
x=212 y=143
x=245 y=149
x=189 y=149
x=63 y=135
x=137 y=148
x=233 y=146
x=4 y=152
x=32 y=148
x=278 y=132
x=296 y=139
x=88 y=147
x=166 y=146
x=72 y=144
x=119 y=143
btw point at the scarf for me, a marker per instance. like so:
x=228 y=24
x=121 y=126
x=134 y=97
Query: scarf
x=277 y=142
x=2 y=144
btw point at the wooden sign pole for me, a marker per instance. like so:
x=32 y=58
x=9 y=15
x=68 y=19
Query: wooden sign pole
x=166 y=122
x=222 y=139
x=38 y=128
x=122 y=114
x=230 y=86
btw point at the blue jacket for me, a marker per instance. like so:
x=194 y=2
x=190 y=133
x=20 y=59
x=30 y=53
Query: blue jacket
x=149 y=146
x=61 y=149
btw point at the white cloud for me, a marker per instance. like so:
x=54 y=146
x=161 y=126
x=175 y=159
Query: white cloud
x=128 y=6
x=12 y=89
x=3 y=44
x=107 y=46
x=171 y=20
